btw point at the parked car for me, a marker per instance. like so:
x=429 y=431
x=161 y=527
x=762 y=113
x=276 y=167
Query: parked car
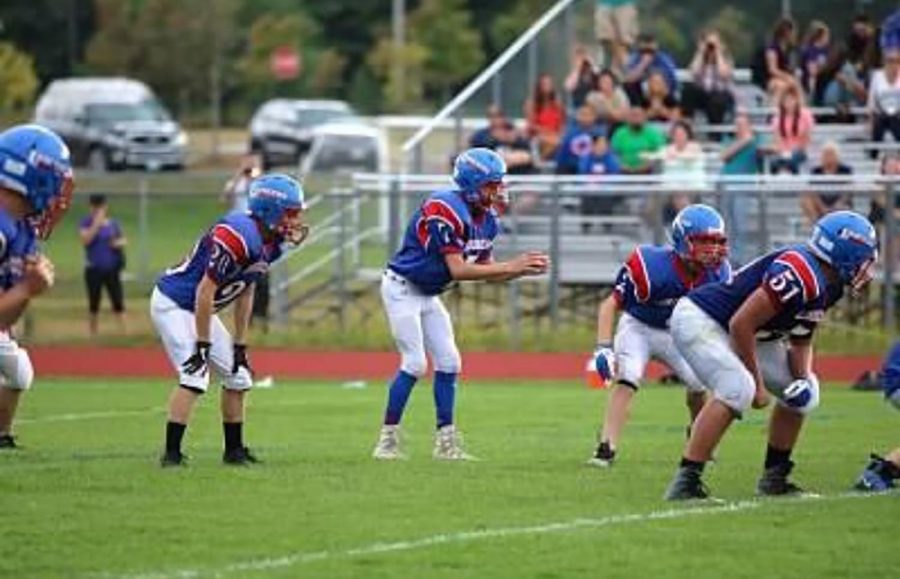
x=346 y=147
x=281 y=129
x=112 y=123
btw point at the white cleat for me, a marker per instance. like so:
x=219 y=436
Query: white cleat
x=388 y=446
x=448 y=445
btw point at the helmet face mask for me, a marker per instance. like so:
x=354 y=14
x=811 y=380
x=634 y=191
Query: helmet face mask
x=708 y=250
x=44 y=221
x=493 y=194
x=291 y=228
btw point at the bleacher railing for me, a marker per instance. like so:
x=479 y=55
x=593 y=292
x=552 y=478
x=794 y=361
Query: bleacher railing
x=588 y=225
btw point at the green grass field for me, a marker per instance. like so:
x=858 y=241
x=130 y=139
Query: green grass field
x=85 y=498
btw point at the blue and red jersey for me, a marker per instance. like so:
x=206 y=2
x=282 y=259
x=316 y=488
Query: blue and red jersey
x=18 y=242
x=792 y=278
x=232 y=252
x=652 y=280
x=443 y=224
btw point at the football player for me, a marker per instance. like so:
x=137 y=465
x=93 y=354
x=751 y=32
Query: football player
x=649 y=284
x=753 y=335
x=881 y=472
x=450 y=238
x=222 y=268
x=36 y=184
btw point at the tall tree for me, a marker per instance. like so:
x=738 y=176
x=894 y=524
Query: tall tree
x=18 y=81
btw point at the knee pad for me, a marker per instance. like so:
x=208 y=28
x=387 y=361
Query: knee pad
x=16 y=370
x=451 y=363
x=414 y=364
x=737 y=394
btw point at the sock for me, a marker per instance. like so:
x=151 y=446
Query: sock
x=444 y=397
x=234 y=436
x=692 y=464
x=174 y=434
x=775 y=457
x=398 y=395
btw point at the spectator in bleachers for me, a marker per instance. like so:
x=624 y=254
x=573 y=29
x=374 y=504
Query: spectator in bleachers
x=884 y=98
x=741 y=156
x=609 y=101
x=813 y=56
x=486 y=136
x=581 y=78
x=546 y=115
x=616 y=27
x=792 y=126
x=683 y=165
x=578 y=142
x=648 y=57
x=501 y=136
x=816 y=205
x=773 y=64
x=600 y=163
x=890 y=166
x=659 y=102
x=712 y=75
x=633 y=140
x=844 y=79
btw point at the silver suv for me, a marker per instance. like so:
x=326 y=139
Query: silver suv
x=281 y=130
x=112 y=124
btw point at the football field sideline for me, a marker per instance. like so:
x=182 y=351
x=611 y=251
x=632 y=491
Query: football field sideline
x=304 y=558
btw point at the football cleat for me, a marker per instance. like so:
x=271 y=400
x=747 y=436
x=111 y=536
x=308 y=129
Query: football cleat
x=170 y=459
x=878 y=477
x=448 y=445
x=774 y=481
x=388 y=445
x=240 y=456
x=687 y=485
x=8 y=441
x=603 y=457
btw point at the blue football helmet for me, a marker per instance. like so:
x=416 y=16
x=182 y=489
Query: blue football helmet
x=698 y=236
x=277 y=200
x=846 y=241
x=35 y=163
x=476 y=168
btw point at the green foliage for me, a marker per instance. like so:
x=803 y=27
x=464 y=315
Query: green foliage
x=400 y=89
x=18 y=81
x=445 y=29
x=164 y=43
x=510 y=24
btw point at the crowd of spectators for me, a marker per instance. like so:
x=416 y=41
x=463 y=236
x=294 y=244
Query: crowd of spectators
x=622 y=110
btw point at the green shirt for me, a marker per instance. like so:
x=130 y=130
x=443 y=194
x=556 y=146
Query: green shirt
x=615 y=3
x=628 y=144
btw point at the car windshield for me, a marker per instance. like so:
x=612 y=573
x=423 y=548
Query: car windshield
x=110 y=113
x=312 y=117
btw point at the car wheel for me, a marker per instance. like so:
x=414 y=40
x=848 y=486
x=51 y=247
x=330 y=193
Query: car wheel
x=97 y=160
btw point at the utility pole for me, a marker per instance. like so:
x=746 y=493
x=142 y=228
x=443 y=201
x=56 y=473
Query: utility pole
x=398 y=28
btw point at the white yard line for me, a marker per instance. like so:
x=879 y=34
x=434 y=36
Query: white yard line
x=89 y=415
x=302 y=558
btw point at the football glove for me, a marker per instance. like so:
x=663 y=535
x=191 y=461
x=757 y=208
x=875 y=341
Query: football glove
x=605 y=361
x=241 y=359
x=801 y=394
x=196 y=365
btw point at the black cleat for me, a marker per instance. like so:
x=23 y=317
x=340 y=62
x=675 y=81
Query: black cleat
x=240 y=456
x=687 y=485
x=8 y=441
x=879 y=476
x=170 y=459
x=603 y=457
x=774 y=482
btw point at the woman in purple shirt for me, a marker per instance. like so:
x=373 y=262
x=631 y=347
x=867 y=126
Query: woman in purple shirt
x=104 y=260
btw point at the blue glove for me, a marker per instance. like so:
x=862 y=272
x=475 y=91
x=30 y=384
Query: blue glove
x=800 y=394
x=605 y=361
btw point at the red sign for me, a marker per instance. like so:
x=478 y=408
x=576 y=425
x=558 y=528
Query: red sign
x=285 y=63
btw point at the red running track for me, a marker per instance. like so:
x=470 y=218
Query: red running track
x=148 y=362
